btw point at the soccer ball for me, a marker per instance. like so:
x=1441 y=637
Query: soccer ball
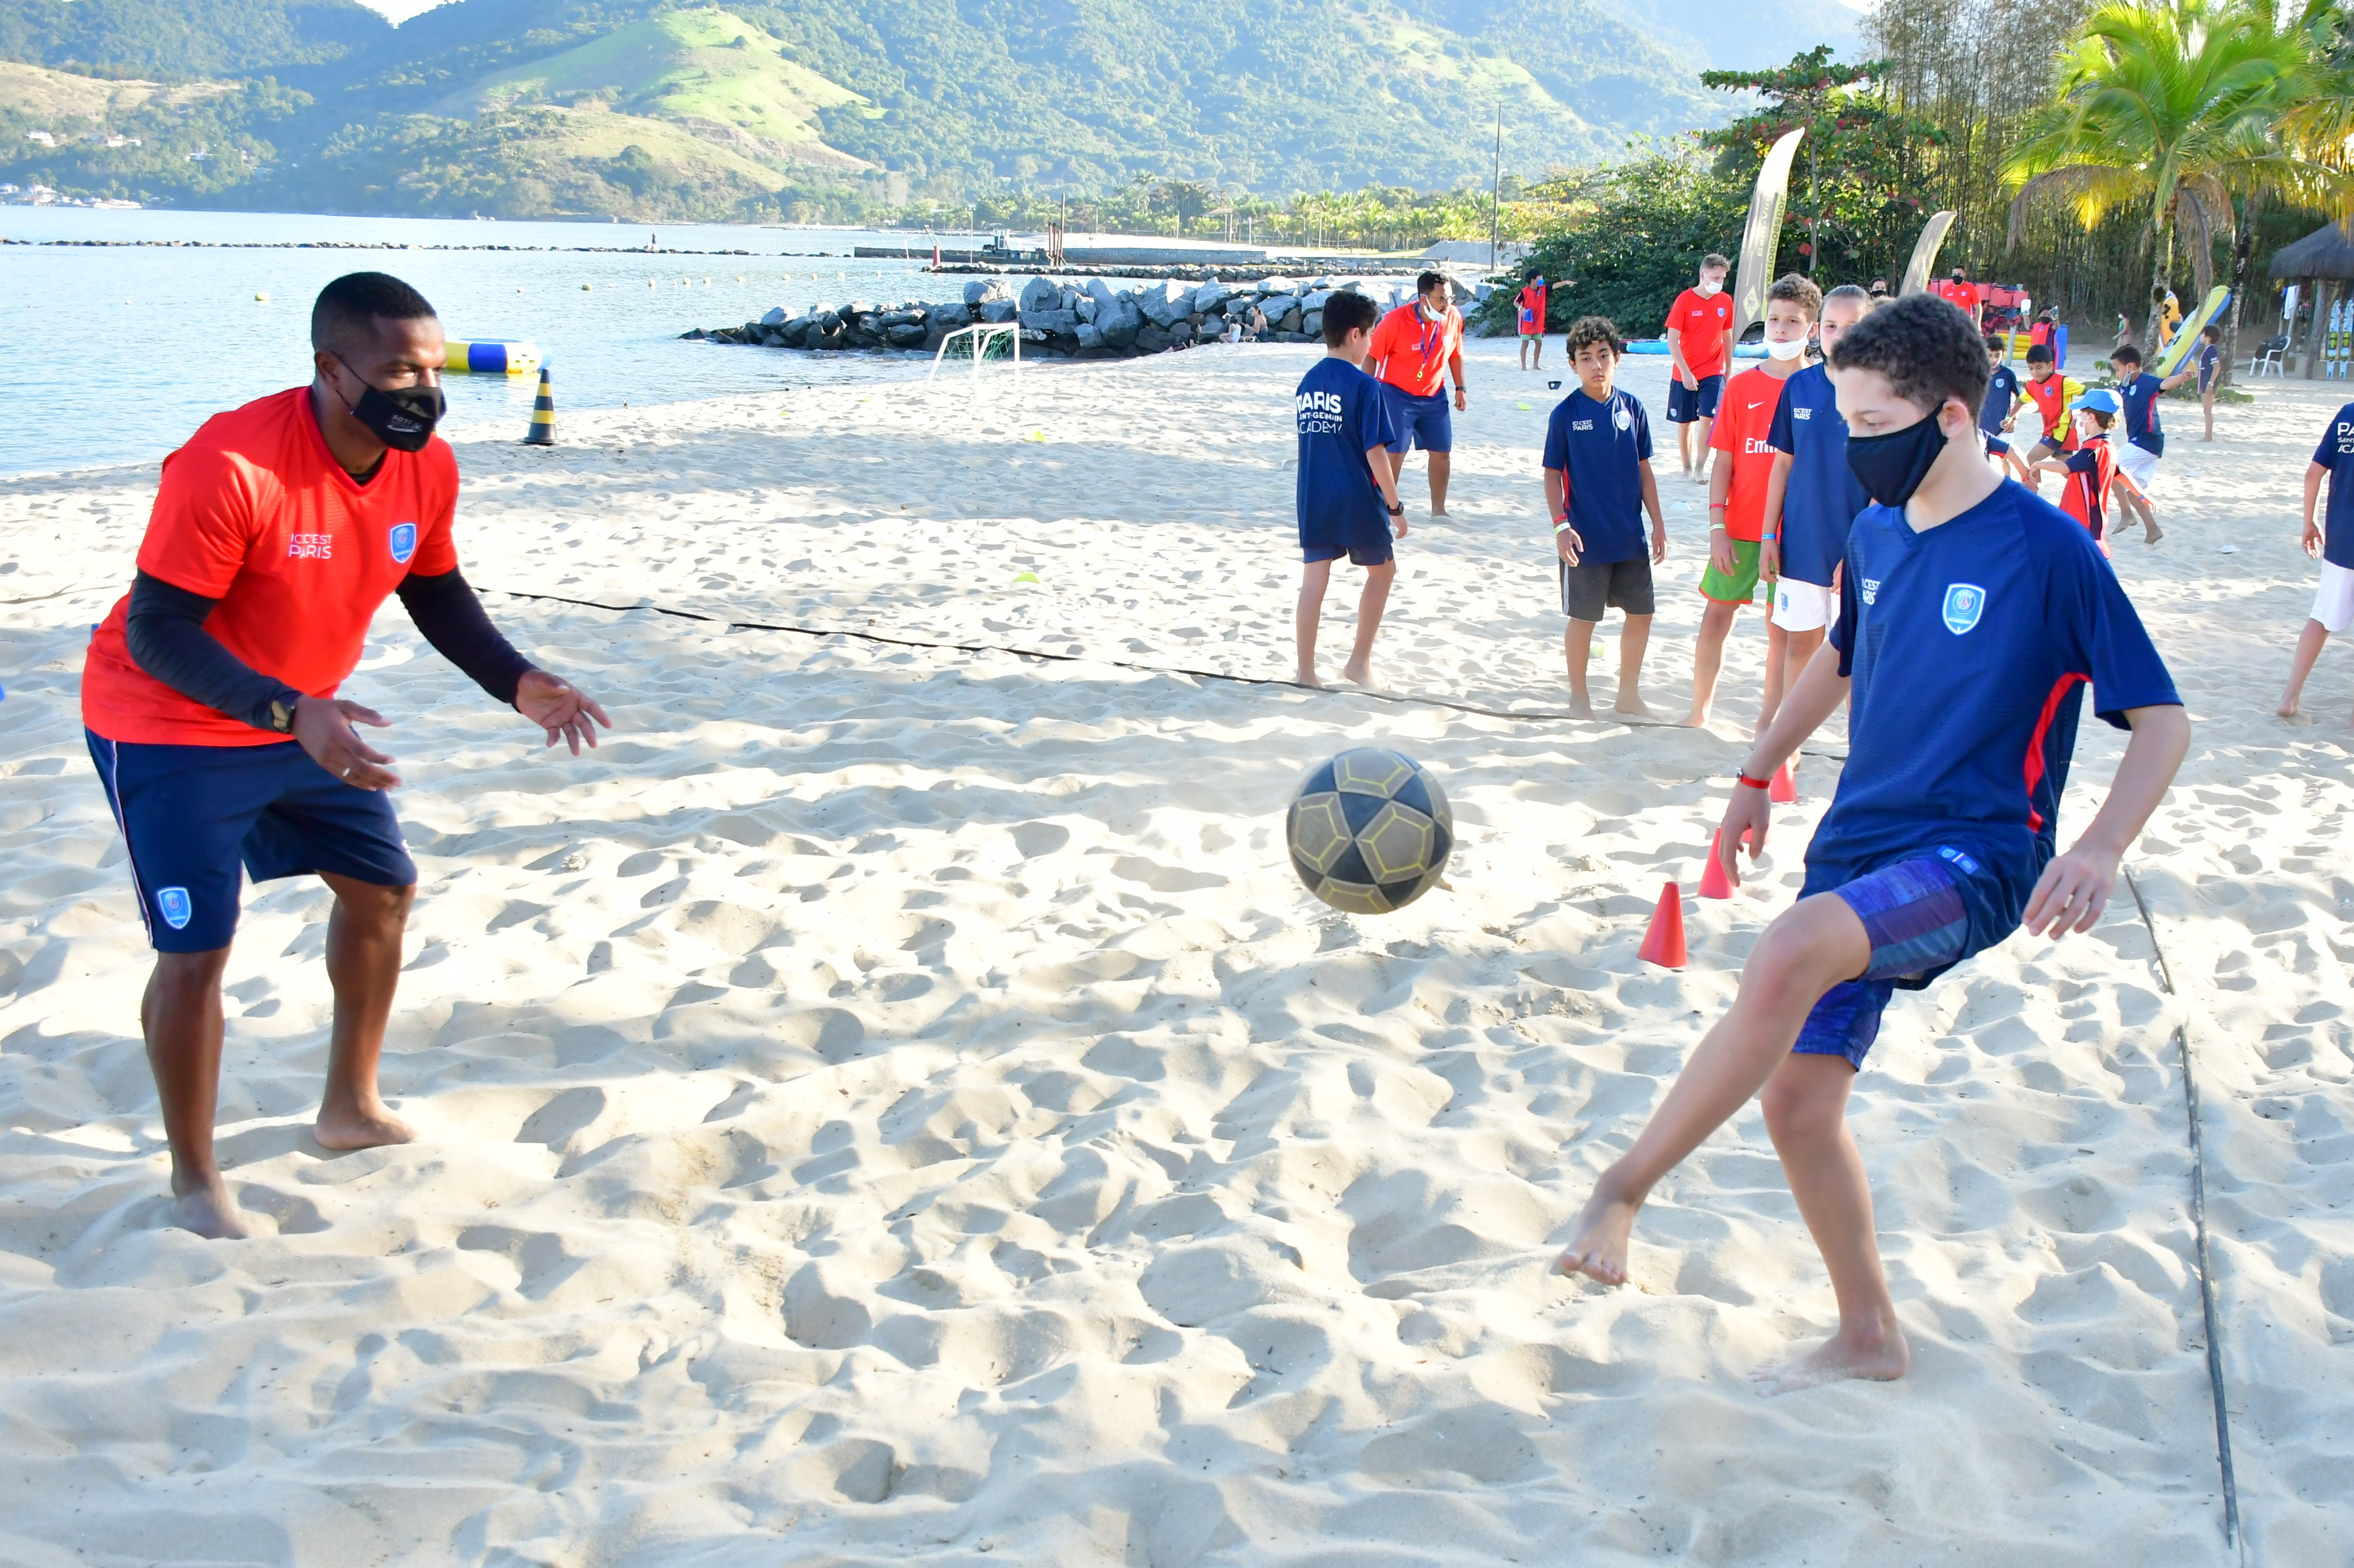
x=1370 y=831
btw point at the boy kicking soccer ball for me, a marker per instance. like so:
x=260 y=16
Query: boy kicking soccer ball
x=1348 y=500
x=1598 y=482
x=1975 y=614
x=2333 y=605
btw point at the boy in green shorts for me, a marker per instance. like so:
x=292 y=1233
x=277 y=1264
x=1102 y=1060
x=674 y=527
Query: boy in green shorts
x=1736 y=487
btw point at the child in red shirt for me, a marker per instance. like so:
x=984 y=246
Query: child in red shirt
x=1700 y=341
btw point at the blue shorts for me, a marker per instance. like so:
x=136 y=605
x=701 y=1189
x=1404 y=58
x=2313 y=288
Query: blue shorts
x=1690 y=405
x=1426 y=422
x=1995 y=444
x=192 y=815
x=1377 y=554
x=1924 y=915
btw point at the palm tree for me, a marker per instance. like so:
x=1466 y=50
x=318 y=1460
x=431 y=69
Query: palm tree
x=2164 y=106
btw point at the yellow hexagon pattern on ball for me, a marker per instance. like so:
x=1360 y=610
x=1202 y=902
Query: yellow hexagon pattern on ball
x=1319 y=831
x=1396 y=844
x=1366 y=771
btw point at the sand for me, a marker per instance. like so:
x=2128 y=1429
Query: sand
x=896 y=1104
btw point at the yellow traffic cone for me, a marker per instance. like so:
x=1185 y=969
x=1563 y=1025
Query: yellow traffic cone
x=543 y=415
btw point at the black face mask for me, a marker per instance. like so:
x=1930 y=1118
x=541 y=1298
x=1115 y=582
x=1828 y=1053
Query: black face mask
x=1892 y=467
x=402 y=419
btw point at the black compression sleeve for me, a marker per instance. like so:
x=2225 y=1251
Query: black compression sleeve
x=165 y=628
x=453 y=618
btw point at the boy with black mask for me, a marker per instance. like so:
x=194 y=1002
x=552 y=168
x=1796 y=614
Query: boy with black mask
x=1975 y=614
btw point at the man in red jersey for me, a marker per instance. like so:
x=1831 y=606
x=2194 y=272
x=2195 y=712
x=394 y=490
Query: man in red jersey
x=1531 y=303
x=1961 y=292
x=1414 y=349
x=209 y=700
x=1700 y=346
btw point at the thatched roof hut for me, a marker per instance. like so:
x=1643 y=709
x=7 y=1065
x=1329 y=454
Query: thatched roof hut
x=2327 y=252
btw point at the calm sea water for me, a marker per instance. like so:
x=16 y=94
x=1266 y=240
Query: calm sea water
x=117 y=355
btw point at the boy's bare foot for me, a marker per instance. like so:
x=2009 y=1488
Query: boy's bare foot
x=2287 y=709
x=368 y=1128
x=1308 y=678
x=1580 y=709
x=208 y=1211
x=1696 y=719
x=1599 y=1250
x=1876 y=1356
x=2152 y=535
x=1631 y=705
x=1358 y=674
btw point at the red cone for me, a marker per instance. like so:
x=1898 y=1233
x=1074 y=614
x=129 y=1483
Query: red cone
x=1783 y=789
x=1663 y=944
x=1713 y=882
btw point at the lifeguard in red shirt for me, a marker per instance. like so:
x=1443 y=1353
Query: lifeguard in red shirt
x=1415 y=348
x=1700 y=346
x=1963 y=293
x=209 y=700
x=1531 y=303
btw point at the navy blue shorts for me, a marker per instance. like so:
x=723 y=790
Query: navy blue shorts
x=1923 y=914
x=1377 y=554
x=1690 y=405
x=1424 y=422
x=1996 y=445
x=192 y=815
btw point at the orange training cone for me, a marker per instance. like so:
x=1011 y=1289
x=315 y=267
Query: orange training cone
x=1713 y=882
x=1663 y=944
x=543 y=415
x=1783 y=789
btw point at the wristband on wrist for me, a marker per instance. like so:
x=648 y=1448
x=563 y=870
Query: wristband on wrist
x=1741 y=777
x=1562 y=526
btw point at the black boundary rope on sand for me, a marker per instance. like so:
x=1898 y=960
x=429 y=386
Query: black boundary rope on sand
x=2198 y=1224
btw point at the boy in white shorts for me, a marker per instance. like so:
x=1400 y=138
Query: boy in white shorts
x=2333 y=605
x=1811 y=498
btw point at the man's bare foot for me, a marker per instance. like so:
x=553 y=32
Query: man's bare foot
x=370 y=1127
x=1631 y=705
x=1358 y=674
x=1308 y=678
x=207 y=1209
x=1580 y=709
x=1598 y=1249
x=1875 y=1355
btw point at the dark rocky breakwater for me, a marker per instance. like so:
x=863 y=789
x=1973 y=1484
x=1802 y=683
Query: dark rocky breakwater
x=1090 y=319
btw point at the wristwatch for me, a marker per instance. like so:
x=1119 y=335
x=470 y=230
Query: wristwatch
x=281 y=712
x=1396 y=510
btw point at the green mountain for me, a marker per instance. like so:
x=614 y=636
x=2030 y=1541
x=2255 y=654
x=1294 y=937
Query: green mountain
x=759 y=108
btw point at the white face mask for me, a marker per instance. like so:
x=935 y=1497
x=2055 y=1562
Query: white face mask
x=1707 y=288
x=1790 y=350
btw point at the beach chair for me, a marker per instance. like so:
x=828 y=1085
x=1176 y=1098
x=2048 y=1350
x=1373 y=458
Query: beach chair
x=2268 y=357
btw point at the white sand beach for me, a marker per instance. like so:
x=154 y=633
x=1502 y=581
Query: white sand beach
x=894 y=1104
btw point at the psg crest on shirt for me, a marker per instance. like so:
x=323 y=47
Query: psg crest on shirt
x=173 y=904
x=1964 y=603
x=403 y=541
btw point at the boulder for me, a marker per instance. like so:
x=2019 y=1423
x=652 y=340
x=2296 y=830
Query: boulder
x=949 y=317
x=981 y=290
x=906 y=334
x=1312 y=323
x=1274 y=286
x=1089 y=337
x=997 y=309
x=1100 y=292
x=776 y=316
x=1165 y=303
x=1211 y=329
x=1150 y=338
x=1038 y=294
x=1320 y=283
x=1120 y=324
x=858 y=308
x=1212 y=293
x=1085 y=308
x=1051 y=320
x=1315 y=302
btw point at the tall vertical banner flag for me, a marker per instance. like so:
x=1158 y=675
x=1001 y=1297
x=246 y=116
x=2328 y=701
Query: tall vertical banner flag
x=1924 y=253
x=1763 y=233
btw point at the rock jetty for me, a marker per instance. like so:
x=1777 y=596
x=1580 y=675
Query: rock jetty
x=1090 y=319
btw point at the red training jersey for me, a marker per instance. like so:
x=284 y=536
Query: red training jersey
x=255 y=512
x=1533 y=310
x=2050 y=398
x=2092 y=471
x=1962 y=294
x=1703 y=319
x=1744 y=416
x=1413 y=353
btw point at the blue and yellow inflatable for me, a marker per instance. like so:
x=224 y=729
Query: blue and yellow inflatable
x=491 y=358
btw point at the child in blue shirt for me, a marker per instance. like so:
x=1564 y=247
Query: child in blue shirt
x=1598 y=483
x=2144 y=433
x=1348 y=501
x=1975 y=614
x=1810 y=501
x=2333 y=602
x=1999 y=412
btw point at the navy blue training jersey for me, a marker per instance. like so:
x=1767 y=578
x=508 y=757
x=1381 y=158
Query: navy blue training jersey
x=1822 y=497
x=2002 y=391
x=1341 y=415
x=1970 y=644
x=2336 y=453
x=2142 y=427
x=1599 y=449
